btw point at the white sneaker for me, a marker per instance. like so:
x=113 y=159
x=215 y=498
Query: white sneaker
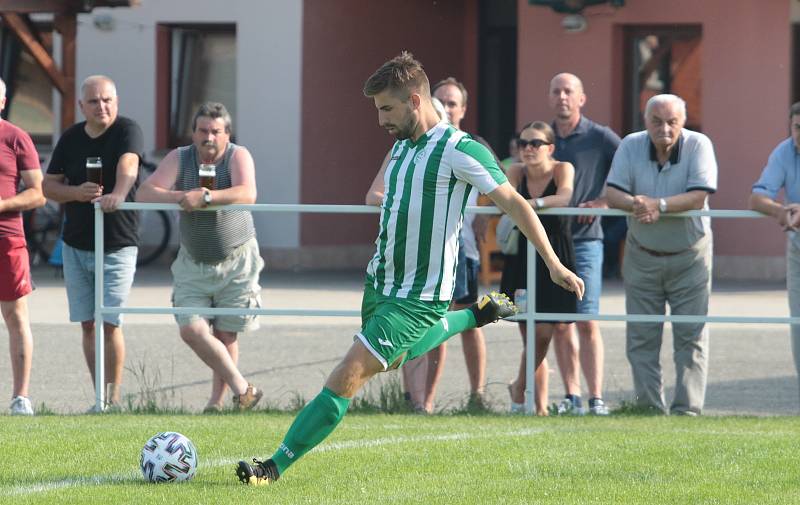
x=567 y=408
x=598 y=408
x=21 y=406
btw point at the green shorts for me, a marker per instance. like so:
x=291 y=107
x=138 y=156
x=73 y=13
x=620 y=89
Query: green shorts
x=390 y=326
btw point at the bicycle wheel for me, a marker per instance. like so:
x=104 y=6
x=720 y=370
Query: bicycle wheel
x=157 y=226
x=42 y=229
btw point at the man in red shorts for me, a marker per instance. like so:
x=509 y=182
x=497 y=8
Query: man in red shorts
x=18 y=160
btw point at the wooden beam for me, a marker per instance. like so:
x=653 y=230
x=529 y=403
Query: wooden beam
x=17 y=25
x=57 y=6
x=67 y=26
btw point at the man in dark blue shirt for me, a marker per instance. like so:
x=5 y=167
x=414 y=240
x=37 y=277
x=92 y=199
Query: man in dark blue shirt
x=590 y=148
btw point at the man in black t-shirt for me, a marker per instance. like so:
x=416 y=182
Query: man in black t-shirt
x=117 y=142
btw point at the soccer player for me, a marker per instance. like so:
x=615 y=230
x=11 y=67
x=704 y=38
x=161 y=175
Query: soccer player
x=410 y=278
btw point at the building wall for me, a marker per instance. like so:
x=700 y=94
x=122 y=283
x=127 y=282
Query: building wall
x=268 y=45
x=344 y=42
x=745 y=88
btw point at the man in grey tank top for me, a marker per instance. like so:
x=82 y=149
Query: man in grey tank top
x=218 y=262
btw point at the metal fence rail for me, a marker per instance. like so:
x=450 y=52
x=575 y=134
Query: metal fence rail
x=529 y=315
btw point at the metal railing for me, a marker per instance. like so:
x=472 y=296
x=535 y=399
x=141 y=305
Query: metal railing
x=529 y=315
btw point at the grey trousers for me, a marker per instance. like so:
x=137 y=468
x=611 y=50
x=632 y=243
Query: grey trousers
x=793 y=287
x=684 y=282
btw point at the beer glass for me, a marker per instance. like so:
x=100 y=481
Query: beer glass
x=207 y=173
x=94 y=170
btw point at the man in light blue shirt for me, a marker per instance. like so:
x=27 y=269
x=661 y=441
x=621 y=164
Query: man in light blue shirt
x=783 y=172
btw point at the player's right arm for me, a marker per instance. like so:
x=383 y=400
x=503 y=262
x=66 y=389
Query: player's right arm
x=376 y=191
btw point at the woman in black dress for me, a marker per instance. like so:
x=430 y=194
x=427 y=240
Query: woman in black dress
x=544 y=182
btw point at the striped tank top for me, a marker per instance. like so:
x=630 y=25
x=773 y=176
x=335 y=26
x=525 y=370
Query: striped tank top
x=209 y=237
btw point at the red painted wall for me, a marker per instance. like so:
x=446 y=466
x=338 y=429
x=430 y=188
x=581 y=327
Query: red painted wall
x=344 y=42
x=745 y=87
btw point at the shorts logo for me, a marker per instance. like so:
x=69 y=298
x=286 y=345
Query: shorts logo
x=445 y=325
x=385 y=343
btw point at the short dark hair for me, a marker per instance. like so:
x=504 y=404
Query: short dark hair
x=794 y=110
x=401 y=75
x=452 y=81
x=213 y=110
x=541 y=126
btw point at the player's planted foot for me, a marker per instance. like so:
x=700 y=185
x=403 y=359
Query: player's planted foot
x=492 y=307
x=259 y=474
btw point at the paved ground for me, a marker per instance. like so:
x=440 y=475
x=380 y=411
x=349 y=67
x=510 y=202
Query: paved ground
x=751 y=369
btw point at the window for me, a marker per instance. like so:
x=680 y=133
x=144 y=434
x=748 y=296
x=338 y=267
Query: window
x=196 y=63
x=662 y=60
x=29 y=90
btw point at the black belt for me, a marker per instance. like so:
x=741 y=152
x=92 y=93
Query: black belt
x=659 y=254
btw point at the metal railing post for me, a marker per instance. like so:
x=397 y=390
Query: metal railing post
x=530 y=330
x=99 y=337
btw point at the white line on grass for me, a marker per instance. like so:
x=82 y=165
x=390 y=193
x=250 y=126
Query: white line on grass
x=128 y=477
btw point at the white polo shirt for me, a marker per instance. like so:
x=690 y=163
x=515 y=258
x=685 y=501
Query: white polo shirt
x=692 y=166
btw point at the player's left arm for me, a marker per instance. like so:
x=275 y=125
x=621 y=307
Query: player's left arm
x=243 y=181
x=30 y=198
x=520 y=211
x=473 y=163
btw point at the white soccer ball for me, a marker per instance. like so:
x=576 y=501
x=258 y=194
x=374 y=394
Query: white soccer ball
x=168 y=457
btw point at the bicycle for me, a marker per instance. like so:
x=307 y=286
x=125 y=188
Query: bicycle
x=43 y=231
x=42 y=228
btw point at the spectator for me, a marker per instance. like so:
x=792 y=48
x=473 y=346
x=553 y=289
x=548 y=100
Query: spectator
x=543 y=182
x=117 y=141
x=590 y=148
x=665 y=169
x=18 y=161
x=781 y=173
x=218 y=262
x=513 y=153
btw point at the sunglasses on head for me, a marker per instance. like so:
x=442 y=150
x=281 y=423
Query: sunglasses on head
x=535 y=143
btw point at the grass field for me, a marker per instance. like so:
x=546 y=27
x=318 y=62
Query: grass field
x=410 y=459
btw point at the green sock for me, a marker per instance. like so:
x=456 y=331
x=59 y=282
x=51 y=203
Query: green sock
x=452 y=323
x=315 y=422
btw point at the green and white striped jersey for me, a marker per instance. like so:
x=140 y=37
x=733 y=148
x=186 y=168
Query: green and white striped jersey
x=427 y=184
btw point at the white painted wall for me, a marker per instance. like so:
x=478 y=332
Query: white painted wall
x=268 y=81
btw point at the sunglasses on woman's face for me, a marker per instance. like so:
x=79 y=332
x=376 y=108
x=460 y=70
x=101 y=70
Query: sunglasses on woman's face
x=535 y=143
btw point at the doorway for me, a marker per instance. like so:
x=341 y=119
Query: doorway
x=497 y=73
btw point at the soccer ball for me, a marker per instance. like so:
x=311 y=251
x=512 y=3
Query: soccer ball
x=168 y=457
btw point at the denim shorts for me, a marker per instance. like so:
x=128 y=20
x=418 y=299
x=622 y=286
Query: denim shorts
x=589 y=267
x=466 y=290
x=118 y=269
